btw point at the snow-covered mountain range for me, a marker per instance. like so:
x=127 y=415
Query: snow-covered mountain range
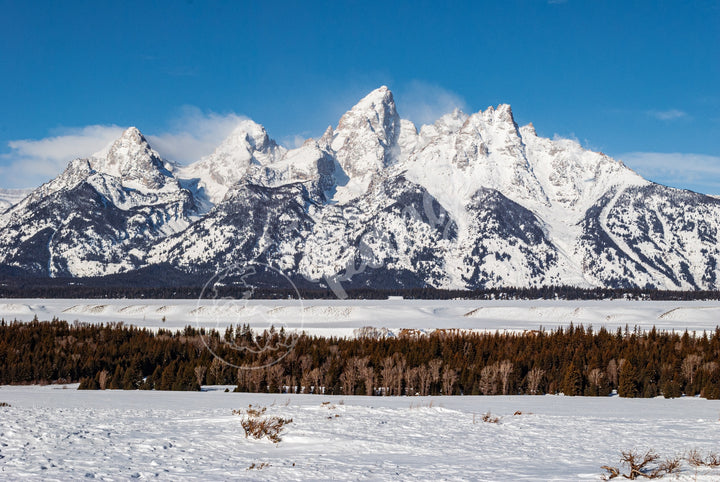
x=472 y=201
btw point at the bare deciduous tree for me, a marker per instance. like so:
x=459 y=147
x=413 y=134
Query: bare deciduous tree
x=423 y=377
x=710 y=367
x=367 y=375
x=411 y=381
x=434 y=367
x=449 y=378
x=534 y=377
x=504 y=370
x=316 y=379
x=103 y=379
x=613 y=371
x=243 y=377
x=689 y=366
x=488 y=380
x=200 y=374
x=217 y=370
x=349 y=376
x=388 y=375
x=255 y=379
x=596 y=377
x=400 y=367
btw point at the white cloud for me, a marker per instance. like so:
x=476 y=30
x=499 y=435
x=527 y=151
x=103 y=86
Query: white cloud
x=668 y=115
x=697 y=172
x=424 y=103
x=34 y=161
x=191 y=135
x=194 y=134
x=293 y=142
x=77 y=142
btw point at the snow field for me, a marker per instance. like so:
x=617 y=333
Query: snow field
x=50 y=433
x=344 y=317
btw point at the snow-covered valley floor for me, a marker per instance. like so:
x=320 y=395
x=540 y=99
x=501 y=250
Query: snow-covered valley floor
x=343 y=317
x=52 y=433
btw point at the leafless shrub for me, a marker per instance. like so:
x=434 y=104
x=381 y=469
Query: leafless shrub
x=670 y=465
x=257 y=425
x=488 y=418
x=696 y=459
x=612 y=472
x=642 y=465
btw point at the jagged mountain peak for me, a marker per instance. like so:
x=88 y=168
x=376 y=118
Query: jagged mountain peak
x=131 y=159
x=382 y=97
x=248 y=144
x=327 y=138
x=133 y=134
x=446 y=125
x=528 y=129
x=131 y=139
x=366 y=135
x=469 y=201
x=248 y=132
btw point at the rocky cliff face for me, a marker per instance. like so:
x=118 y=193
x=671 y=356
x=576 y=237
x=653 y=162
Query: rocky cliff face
x=472 y=201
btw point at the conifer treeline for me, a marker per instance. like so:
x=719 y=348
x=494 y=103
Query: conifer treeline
x=574 y=361
x=87 y=288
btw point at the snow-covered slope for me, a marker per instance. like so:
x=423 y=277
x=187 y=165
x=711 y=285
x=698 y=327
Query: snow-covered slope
x=471 y=201
x=99 y=216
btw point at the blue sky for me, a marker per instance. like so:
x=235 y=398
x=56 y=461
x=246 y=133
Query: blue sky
x=636 y=80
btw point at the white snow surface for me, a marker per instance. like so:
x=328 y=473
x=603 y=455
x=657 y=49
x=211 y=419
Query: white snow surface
x=10 y=197
x=52 y=433
x=346 y=317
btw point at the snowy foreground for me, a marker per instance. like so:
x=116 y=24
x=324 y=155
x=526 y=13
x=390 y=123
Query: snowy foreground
x=57 y=434
x=344 y=317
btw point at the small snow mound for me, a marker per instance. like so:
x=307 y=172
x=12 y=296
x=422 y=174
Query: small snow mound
x=86 y=309
x=688 y=314
x=15 y=308
x=133 y=309
x=279 y=310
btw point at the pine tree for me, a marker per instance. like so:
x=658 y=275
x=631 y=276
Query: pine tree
x=573 y=381
x=628 y=382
